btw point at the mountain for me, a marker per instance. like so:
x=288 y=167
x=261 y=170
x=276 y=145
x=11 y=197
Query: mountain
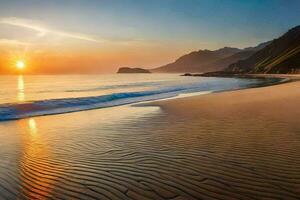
x=222 y=63
x=207 y=61
x=124 y=70
x=258 y=47
x=197 y=61
x=281 y=55
x=226 y=51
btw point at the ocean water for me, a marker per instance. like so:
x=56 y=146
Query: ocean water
x=27 y=96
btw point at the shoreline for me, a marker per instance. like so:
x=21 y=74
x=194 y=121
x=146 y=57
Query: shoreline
x=286 y=79
x=40 y=107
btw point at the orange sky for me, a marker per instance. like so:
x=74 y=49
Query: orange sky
x=51 y=51
x=83 y=59
x=81 y=36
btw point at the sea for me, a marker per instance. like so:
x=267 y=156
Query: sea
x=28 y=96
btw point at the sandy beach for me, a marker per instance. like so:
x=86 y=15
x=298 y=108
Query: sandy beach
x=251 y=138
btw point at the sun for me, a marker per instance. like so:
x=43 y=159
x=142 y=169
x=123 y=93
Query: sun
x=20 y=64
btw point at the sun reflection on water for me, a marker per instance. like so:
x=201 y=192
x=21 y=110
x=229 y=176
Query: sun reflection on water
x=21 y=88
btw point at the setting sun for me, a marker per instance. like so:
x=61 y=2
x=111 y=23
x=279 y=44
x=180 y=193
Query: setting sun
x=20 y=64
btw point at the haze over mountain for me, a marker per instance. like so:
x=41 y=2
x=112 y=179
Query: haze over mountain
x=206 y=60
x=282 y=55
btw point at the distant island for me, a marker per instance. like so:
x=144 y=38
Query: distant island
x=124 y=70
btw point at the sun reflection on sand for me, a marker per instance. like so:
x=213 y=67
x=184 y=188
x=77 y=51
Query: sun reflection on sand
x=32 y=126
x=35 y=184
x=21 y=88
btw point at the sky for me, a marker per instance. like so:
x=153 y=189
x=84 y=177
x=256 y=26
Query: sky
x=99 y=36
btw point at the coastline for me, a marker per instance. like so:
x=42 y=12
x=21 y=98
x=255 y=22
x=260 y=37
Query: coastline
x=286 y=80
x=76 y=101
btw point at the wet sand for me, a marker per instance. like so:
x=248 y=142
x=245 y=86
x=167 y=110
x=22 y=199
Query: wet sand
x=251 y=138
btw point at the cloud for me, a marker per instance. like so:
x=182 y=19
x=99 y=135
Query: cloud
x=13 y=42
x=43 y=30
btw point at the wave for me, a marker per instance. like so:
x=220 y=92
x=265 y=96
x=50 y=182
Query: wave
x=118 y=86
x=57 y=106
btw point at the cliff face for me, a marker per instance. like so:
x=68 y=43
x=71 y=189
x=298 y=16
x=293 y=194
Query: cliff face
x=282 y=55
x=132 y=70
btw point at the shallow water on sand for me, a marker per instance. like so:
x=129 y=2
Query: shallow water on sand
x=144 y=153
x=71 y=155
